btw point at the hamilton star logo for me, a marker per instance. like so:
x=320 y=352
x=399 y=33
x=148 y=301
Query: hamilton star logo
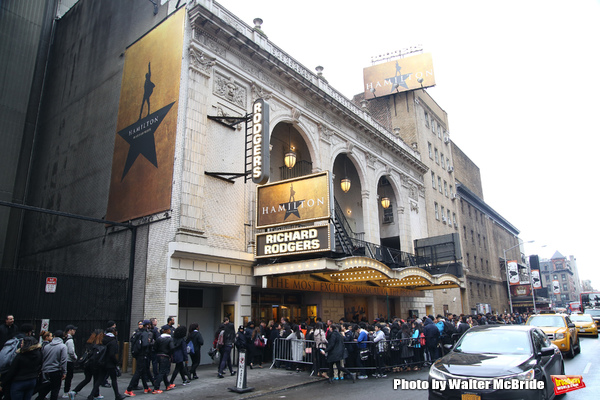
x=140 y=134
x=291 y=207
x=399 y=78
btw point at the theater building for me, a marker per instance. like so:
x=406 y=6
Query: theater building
x=256 y=190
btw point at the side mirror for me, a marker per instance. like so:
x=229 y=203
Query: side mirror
x=571 y=325
x=546 y=351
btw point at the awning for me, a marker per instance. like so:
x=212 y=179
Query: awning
x=361 y=271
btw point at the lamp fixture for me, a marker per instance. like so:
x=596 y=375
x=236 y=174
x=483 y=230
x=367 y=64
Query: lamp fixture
x=290 y=157
x=346 y=182
x=385 y=202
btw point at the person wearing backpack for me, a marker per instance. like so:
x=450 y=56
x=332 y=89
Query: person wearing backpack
x=140 y=350
x=104 y=362
x=22 y=375
x=86 y=363
x=164 y=350
x=195 y=341
x=54 y=367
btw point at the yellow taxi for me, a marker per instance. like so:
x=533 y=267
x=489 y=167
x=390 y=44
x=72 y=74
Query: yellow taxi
x=585 y=325
x=560 y=330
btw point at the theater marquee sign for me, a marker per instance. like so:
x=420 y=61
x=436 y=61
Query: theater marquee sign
x=294 y=201
x=332 y=287
x=294 y=241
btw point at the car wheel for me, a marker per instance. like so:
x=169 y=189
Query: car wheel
x=543 y=394
x=571 y=352
x=578 y=349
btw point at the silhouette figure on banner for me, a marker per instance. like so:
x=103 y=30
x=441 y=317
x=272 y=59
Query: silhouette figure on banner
x=148 y=89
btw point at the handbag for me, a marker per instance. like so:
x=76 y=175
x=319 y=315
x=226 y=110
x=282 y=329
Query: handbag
x=422 y=339
x=258 y=342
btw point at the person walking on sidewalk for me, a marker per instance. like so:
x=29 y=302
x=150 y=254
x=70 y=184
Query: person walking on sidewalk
x=195 y=339
x=54 y=367
x=179 y=356
x=109 y=369
x=227 y=339
x=164 y=350
x=140 y=350
x=88 y=371
x=71 y=358
x=24 y=370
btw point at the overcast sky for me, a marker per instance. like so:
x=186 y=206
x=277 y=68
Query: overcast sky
x=519 y=81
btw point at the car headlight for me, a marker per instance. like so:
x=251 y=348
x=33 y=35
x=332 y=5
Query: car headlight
x=559 y=336
x=436 y=374
x=523 y=376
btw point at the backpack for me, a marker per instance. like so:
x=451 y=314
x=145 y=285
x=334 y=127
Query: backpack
x=98 y=356
x=8 y=353
x=190 y=348
x=84 y=360
x=136 y=344
x=422 y=339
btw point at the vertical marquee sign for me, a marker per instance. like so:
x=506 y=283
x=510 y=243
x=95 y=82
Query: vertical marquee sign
x=260 y=142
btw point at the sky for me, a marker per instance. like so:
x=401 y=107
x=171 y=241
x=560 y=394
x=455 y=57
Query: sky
x=520 y=81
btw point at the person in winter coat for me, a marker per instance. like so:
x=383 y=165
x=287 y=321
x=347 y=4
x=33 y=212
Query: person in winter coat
x=163 y=348
x=109 y=369
x=141 y=342
x=406 y=353
x=225 y=348
x=179 y=356
x=432 y=337
x=195 y=339
x=54 y=367
x=250 y=348
x=297 y=345
x=320 y=343
x=335 y=353
x=71 y=356
x=418 y=350
x=258 y=337
x=88 y=371
x=24 y=370
x=379 y=350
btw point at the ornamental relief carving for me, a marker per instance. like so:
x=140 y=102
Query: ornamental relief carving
x=228 y=89
x=200 y=62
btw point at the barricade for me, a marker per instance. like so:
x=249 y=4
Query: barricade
x=389 y=355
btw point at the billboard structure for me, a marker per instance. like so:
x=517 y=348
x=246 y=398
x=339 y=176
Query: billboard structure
x=144 y=150
x=401 y=75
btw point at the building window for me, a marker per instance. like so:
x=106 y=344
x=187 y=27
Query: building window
x=440 y=184
x=491 y=292
x=555 y=277
x=474 y=261
x=430 y=149
x=388 y=214
x=563 y=276
x=443 y=214
x=442 y=160
x=426 y=119
x=484 y=243
x=437 y=212
x=454 y=219
x=479 y=240
x=437 y=156
x=433 y=125
x=433 y=180
x=472 y=237
x=465 y=232
x=451 y=192
x=446 y=188
x=449 y=220
x=565 y=287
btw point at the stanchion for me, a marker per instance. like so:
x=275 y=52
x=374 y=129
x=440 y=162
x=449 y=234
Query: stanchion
x=241 y=375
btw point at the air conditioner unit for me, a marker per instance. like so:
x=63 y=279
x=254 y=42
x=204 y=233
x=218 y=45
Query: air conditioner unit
x=454 y=196
x=446 y=139
x=450 y=168
x=444 y=219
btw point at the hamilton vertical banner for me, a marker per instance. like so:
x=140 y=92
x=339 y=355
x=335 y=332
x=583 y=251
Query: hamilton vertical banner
x=142 y=167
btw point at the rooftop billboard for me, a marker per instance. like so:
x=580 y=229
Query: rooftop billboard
x=399 y=75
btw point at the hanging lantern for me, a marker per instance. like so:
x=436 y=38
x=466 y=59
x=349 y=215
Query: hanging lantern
x=385 y=202
x=346 y=183
x=290 y=159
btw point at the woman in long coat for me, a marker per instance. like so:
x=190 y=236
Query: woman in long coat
x=297 y=344
x=335 y=353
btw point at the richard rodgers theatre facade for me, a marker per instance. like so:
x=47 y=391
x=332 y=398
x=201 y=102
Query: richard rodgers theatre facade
x=193 y=119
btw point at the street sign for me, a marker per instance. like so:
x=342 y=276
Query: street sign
x=51 y=285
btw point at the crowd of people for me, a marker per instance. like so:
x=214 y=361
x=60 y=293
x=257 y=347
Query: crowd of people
x=331 y=349
x=30 y=365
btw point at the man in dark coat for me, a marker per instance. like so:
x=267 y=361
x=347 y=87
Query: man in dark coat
x=8 y=330
x=432 y=337
x=335 y=353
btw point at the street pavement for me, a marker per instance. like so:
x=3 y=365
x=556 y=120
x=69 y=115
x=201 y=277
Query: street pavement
x=271 y=384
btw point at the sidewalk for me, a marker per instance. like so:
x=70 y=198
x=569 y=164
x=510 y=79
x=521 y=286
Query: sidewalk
x=209 y=386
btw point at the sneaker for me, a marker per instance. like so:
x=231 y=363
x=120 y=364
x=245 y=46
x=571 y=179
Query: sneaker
x=363 y=377
x=171 y=386
x=233 y=373
x=186 y=382
x=157 y=391
x=99 y=397
x=65 y=396
x=72 y=395
x=148 y=390
x=129 y=393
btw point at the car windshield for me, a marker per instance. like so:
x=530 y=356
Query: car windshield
x=546 y=321
x=495 y=341
x=581 y=318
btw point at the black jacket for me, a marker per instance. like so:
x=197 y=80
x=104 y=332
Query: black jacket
x=164 y=345
x=197 y=340
x=431 y=332
x=335 y=347
x=112 y=349
x=26 y=365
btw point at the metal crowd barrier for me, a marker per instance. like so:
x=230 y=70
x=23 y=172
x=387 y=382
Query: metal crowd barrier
x=388 y=354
